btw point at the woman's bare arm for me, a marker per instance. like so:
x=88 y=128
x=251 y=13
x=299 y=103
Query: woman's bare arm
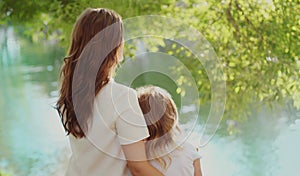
x=197 y=168
x=137 y=161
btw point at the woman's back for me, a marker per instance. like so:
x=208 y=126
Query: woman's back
x=117 y=120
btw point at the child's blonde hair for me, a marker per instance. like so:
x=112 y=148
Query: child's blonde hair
x=161 y=116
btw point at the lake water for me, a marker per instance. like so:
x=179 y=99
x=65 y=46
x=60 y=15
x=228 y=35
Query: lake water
x=33 y=142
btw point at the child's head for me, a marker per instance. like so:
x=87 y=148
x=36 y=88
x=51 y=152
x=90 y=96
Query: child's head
x=159 y=110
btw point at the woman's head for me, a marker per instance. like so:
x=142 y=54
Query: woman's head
x=86 y=30
x=90 y=23
x=161 y=117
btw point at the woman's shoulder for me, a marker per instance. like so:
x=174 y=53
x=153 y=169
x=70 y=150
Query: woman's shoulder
x=121 y=88
x=115 y=91
x=120 y=96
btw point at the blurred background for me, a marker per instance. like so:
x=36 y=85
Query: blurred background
x=257 y=42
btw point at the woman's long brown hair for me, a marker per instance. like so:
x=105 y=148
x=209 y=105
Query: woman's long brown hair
x=87 y=26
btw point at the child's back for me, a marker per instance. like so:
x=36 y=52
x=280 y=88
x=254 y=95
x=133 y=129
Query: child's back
x=182 y=161
x=161 y=116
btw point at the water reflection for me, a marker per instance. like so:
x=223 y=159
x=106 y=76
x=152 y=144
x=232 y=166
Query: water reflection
x=10 y=48
x=288 y=155
x=267 y=145
x=31 y=135
x=32 y=141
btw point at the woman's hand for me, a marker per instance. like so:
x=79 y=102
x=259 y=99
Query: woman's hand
x=197 y=168
x=137 y=161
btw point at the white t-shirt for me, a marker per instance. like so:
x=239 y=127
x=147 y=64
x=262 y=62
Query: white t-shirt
x=117 y=120
x=182 y=161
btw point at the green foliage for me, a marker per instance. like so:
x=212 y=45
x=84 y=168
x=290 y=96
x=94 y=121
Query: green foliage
x=54 y=19
x=2 y=173
x=257 y=41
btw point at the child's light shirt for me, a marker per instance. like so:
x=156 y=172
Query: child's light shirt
x=182 y=161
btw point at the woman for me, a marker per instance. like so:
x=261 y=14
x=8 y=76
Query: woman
x=102 y=118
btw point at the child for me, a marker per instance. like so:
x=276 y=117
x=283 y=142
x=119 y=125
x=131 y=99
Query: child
x=161 y=116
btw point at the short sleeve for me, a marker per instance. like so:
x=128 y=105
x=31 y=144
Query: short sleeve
x=192 y=151
x=130 y=125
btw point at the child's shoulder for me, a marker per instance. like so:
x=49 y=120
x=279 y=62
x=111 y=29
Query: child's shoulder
x=191 y=150
x=189 y=146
